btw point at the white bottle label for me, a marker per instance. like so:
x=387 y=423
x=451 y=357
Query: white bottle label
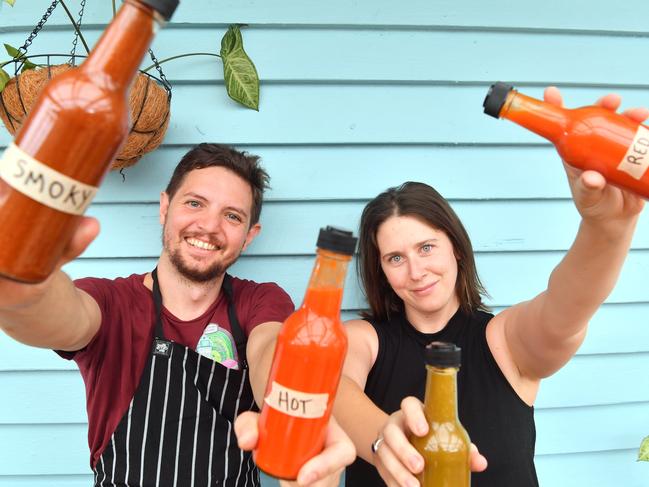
x=296 y=403
x=636 y=159
x=43 y=184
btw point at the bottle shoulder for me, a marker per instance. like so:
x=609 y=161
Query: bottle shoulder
x=307 y=328
x=71 y=111
x=75 y=102
x=80 y=88
x=584 y=120
x=445 y=436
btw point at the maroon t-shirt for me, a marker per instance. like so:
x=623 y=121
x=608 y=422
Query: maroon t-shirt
x=112 y=363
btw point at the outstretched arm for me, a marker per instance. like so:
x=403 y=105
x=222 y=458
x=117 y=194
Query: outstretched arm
x=541 y=335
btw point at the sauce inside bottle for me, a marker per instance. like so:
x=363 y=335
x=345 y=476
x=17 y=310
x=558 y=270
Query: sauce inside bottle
x=50 y=173
x=446 y=447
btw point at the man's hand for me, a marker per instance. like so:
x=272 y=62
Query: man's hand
x=53 y=313
x=83 y=236
x=15 y=296
x=323 y=470
x=396 y=459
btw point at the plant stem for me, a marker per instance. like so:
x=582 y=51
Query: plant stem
x=76 y=27
x=179 y=56
x=114 y=9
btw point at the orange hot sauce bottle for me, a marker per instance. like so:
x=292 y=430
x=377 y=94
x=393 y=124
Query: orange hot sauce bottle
x=307 y=365
x=50 y=173
x=446 y=447
x=589 y=138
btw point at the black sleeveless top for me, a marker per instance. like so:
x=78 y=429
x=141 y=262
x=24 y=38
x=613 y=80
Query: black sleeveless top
x=496 y=418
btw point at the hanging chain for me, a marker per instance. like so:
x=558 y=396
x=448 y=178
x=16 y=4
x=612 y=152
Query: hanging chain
x=73 y=52
x=38 y=27
x=46 y=15
x=163 y=78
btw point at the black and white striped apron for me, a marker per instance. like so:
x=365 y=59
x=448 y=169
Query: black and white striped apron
x=178 y=430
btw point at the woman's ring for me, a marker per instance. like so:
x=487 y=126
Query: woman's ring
x=376 y=444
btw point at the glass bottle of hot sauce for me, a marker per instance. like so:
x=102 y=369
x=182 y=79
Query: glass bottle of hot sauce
x=589 y=138
x=50 y=173
x=307 y=365
x=446 y=447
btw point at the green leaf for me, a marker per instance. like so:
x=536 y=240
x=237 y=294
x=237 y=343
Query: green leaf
x=27 y=65
x=20 y=56
x=239 y=72
x=4 y=79
x=229 y=40
x=13 y=52
x=643 y=453
x=10 y=2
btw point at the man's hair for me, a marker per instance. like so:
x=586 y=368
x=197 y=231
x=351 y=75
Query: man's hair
x=244 y=165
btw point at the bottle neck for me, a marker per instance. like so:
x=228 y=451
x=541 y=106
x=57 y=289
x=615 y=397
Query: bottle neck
x=540 y=117
x=440 y=404
x=119 y=52
x=325 y=292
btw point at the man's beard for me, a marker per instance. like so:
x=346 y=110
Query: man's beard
x=217 y=269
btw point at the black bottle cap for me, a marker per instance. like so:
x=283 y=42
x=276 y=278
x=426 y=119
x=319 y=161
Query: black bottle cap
x=336 y=240
x=442 y=354
x=495 y=98
x=166 y=8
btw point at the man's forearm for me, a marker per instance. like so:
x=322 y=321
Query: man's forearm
x=260 y=351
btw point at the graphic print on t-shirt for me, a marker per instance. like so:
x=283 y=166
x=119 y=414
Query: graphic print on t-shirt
x=217 y=344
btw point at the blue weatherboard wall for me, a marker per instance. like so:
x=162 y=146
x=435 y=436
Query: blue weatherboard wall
x=358 y=96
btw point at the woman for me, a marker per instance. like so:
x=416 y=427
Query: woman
x=417 y=267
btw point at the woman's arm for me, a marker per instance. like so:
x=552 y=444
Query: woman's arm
x=355 y=412
x=535 y=338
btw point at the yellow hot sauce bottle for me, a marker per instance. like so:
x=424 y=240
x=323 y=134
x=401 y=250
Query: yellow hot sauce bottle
x=446 y=446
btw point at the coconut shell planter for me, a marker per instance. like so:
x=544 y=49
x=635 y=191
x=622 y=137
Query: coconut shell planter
x=149 y=102
x=149 y=97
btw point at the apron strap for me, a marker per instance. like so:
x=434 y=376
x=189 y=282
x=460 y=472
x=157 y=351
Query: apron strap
x=237 y=332
x=157 y=301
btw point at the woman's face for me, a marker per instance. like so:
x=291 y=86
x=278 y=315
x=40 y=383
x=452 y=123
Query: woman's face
x=420 y=265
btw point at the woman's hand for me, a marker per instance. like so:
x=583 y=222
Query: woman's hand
x=323 y=470
x=596 y=200
x=396 y=459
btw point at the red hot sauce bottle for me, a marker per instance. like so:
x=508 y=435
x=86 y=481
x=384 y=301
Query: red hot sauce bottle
x=589 y=138
x=50 y=173
x=307 y=365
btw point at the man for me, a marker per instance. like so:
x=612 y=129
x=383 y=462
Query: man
x=171 y=357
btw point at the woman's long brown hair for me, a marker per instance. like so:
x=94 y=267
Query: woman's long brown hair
x=424 y=203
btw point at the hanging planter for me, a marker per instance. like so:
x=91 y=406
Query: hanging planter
x=149 y=101
x=150 y=96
